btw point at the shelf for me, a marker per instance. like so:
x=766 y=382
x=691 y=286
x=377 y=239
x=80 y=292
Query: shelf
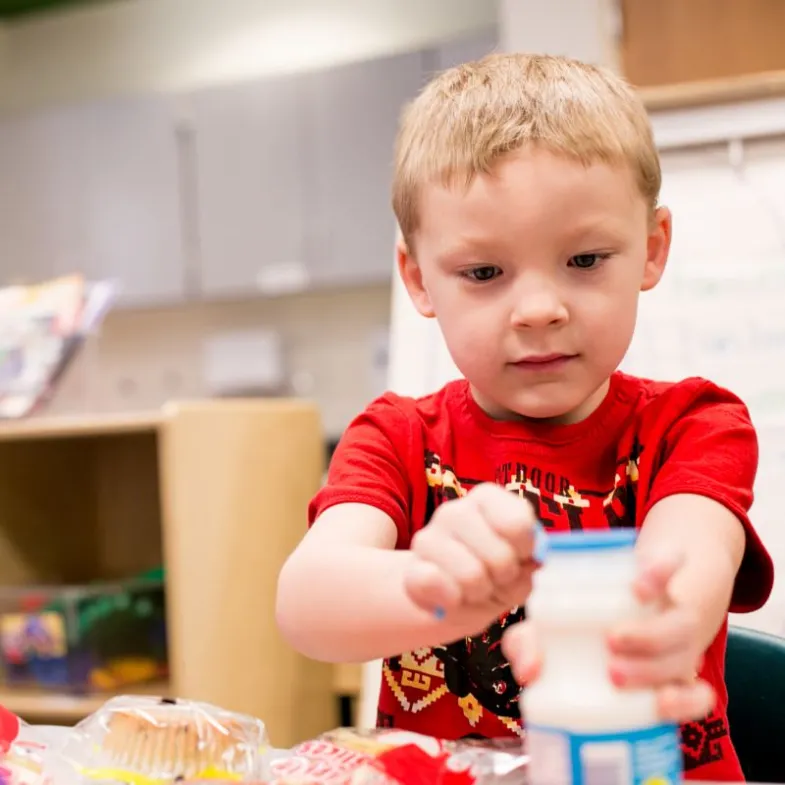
x=709 y=92
x=207 y=487
x=76 y=426
x=31 y=703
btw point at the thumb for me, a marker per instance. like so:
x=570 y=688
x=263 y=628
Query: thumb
x=655 y=571
x=519 y=645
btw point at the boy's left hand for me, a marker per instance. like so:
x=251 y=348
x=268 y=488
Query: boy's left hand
x=662 y=650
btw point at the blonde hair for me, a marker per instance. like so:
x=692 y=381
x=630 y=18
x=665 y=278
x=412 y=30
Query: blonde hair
x=468 y=117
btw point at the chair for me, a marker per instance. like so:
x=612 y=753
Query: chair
x=755 y=677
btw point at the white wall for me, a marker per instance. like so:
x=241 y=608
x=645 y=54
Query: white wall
x=584 y=29
x=718 y=312
x=138 y=45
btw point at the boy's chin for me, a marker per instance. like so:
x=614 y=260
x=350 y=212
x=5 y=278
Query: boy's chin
x=548 y=409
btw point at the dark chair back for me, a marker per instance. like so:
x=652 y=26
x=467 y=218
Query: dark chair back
x=755 y=676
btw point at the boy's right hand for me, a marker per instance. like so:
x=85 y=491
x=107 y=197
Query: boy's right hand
x=477 y=554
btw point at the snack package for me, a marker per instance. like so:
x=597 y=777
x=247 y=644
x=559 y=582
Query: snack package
x=390 y=757
x=26 y=756
x=158 y=741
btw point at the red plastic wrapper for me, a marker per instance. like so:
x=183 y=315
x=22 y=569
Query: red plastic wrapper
x=390 y=757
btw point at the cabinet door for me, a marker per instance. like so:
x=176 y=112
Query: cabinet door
x=248 y=143
x=675 y=41
x=466 y=48
x=352 y=127
x=32 y=209
x=116 y=175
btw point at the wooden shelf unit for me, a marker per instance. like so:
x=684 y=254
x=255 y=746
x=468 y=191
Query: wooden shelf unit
x=214 y=490
x=45 y=706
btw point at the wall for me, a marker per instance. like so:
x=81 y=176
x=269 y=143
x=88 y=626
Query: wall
x=165 y=45
x=584 y=29
x=143 y=358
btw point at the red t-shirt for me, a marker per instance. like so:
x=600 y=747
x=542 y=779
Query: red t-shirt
x=647 y=440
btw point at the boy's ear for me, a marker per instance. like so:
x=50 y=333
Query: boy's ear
x=411 y=275
x=657 y=248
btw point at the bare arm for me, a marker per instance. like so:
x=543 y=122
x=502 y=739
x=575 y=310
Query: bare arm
x=341 y=594
x=710 y=540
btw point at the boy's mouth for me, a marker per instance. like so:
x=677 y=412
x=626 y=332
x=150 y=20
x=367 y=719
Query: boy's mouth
x=543 y=362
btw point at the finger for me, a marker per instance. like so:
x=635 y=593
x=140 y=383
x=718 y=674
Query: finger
x=685 y=702
x=515 y=594
x=655 y=572
x=453 y=558
x=652 y=671
x=655 y=635
x=510 y=516
x=519 y=645
x=430 y=589
x=499 y=557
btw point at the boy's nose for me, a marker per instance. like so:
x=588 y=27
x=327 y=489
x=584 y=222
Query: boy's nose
x=538 y=306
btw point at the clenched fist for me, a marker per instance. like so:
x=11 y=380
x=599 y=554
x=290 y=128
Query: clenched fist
x=477 y=554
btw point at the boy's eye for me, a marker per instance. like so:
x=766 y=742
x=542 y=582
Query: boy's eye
x=482 y=274
x=585 y=261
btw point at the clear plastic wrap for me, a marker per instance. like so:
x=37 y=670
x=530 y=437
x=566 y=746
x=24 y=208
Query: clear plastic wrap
x=28 y=754
x=390 y=757
x=154 y=741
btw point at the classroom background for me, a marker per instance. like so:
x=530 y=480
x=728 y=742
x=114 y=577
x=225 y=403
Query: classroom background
x=204 y=185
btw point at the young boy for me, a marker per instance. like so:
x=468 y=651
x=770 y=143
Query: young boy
x=526 y=189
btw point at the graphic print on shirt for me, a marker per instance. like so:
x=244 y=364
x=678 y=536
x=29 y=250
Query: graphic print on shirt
x=474 y=670
x=702 y=741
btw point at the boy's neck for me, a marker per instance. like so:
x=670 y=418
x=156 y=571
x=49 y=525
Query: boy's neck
x=576 y=415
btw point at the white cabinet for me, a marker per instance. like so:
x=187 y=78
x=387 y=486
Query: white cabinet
x=33 y=214
x=248 y=143
x=465 y=48
x=121 y=169
x=351 y=126
x=94 y=188
x=279 y=183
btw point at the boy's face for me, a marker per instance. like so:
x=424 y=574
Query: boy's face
x=534 y=274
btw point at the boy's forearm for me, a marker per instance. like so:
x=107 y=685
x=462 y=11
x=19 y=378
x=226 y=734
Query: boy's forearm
x=710 y=540
x=348 y=604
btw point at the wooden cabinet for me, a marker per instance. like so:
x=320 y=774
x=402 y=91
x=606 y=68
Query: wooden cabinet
x=352 y=121
x=249 y=155
x=217 y=491
x=93 y=188
x=676 y=41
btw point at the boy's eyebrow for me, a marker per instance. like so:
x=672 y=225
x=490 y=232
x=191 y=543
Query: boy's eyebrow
x=606 y=226
x=459 y=250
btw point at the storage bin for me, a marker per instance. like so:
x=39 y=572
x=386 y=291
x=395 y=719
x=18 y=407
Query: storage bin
x=93 y=637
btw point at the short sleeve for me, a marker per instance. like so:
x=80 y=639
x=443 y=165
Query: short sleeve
x=370 y=466
x=711 y=450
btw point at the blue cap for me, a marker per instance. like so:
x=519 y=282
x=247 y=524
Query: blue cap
x=591 y=541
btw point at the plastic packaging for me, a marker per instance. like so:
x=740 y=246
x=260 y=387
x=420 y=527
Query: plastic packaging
x=392 y=757
x=580 y=728
x=26 y=759
x=157 y=741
